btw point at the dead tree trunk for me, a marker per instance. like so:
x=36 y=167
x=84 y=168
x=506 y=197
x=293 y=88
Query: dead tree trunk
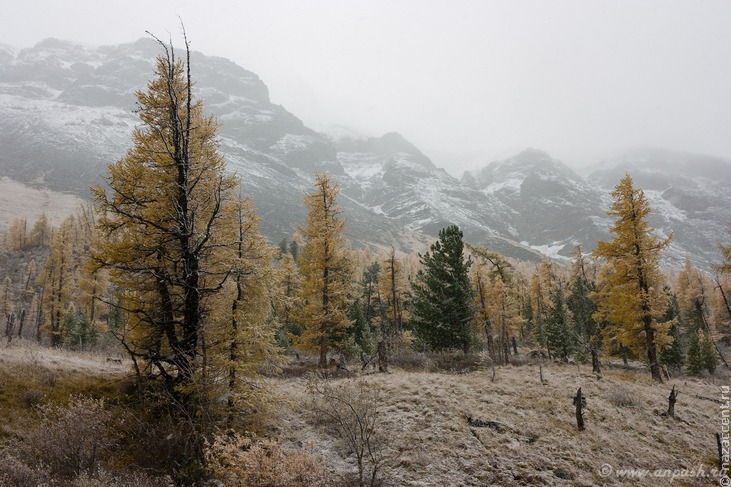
x=382 y=357
x=671 y=402
x=9 y=327
x=580 y=403
x=515 y=345
x=21 y=321
x=595 y=364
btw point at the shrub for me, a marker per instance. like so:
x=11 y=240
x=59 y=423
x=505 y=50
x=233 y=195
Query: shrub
x=69 y=439
x=623 y=398
x=239 y=461
x=352 y=410
x=14 y=473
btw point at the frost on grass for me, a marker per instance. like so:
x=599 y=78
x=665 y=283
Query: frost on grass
x=432 y=442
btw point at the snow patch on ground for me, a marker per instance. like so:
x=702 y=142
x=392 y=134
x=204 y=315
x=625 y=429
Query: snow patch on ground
x=550 y=250
x=20 y=201
x=509 y=183
x=662 y=206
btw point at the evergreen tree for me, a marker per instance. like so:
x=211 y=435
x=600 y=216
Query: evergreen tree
x=674 y=355
x=289 y=281
x=541 y=285
x=693 y=307
x=442 y=308
x=559 y=337
x=361 y=330
x=701 y=352
x=79 y=332
x=631 y=296
x=326 y=270
x=585 y=329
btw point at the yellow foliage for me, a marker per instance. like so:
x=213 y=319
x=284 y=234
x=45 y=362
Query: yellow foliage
x=326 y=269
x=630 y=294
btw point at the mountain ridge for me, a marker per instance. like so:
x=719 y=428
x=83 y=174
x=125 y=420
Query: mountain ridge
x=68 y=110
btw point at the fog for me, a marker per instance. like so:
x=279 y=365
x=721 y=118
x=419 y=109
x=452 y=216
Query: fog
x=466 y=81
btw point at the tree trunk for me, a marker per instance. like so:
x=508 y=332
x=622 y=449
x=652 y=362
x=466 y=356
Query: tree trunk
x=488 y=324
x=671 y=402
x=651 y=345
x=21 y=322
x=382 y=356
x=515 y=345
x=9 y=326
x=505 y=344
x=579 y=403
x=595 y=364
x=39 y=316
x=725 y=301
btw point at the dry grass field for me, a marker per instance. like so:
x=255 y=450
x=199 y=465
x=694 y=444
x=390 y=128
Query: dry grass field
x=430 y=442
x=423 y=418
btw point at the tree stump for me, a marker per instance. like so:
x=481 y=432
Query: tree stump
x=671 y=402
x=580 y=403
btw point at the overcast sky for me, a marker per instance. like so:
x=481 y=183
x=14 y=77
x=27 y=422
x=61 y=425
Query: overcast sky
x=466 y=81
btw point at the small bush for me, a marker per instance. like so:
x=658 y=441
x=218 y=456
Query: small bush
x=32 y=398
x=69 y=440
x=14 y=473
x=238 y=461
x=352 y=411
x=622 y=398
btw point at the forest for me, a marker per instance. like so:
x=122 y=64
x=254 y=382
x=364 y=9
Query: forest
x=167 y=278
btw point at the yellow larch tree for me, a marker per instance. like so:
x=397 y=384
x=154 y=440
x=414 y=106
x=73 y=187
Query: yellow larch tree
x=58 y=280
x=630 y=295
x=162 y=217
x=326 y=269
x=392 y=286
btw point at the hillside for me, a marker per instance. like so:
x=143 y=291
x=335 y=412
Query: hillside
x=424 y=416
x=18 y=200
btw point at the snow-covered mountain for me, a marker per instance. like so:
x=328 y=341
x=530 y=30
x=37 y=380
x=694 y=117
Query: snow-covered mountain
x=542 y=202
x=690 y=197
x=67 y=110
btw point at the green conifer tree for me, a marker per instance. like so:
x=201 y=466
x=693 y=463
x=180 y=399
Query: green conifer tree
x=442 y=307
x=560 y=340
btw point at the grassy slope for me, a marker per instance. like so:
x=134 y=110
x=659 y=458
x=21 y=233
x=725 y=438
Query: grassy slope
x=425 y=417
x=432 y=443
x=30 y=375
